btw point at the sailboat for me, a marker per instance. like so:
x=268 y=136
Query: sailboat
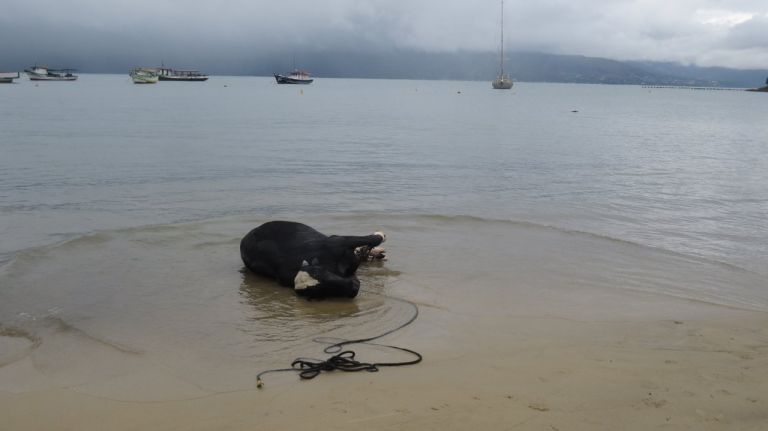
x=503 y=81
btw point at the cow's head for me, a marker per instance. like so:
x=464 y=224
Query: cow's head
x=332 y=272
x=318 y=280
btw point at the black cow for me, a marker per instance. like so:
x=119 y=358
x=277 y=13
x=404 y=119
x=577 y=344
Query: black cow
x=315 y=265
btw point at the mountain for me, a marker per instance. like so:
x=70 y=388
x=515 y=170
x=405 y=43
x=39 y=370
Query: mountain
x=718 y=76
x=523 y=66
x=115 y=53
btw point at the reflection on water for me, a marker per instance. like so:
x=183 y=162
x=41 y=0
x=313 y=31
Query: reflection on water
x=277 y=313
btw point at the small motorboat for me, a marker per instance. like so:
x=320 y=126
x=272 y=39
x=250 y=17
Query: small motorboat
x=296 y=77
x=166 y=74
x=143 y=75
x=43 y=73
x=8 y=77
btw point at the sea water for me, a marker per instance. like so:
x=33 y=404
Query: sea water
x=122 y=207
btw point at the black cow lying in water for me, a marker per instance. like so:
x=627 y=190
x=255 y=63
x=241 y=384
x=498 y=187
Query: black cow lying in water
x=315 y=265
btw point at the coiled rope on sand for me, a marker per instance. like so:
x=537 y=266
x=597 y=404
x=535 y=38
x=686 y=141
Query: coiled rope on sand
x=344 y=360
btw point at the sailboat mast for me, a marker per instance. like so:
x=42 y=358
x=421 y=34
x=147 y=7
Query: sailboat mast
x=502 y=82
x=502 y=37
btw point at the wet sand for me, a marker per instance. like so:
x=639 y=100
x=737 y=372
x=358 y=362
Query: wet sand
x=537 y=330
x=683 y=365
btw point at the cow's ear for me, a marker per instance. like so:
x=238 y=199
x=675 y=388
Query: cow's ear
x=315 y=261
x=304 y=263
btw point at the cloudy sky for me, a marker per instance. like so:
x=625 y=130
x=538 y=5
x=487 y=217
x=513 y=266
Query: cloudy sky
x=731 y=33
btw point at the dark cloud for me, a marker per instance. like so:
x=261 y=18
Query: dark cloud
x=708 y=32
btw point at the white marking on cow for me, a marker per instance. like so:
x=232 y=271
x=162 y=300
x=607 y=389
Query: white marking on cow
x=382 y=235
x=303 y=280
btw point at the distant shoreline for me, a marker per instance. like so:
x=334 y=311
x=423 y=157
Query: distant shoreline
x=416 y=64
x=320 y=77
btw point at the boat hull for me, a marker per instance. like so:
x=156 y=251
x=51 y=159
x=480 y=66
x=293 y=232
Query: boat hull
x=145 y=79
x=52 y=78
x=502 y=83
x=8 y=77
x=184 y=78
x=281 y=79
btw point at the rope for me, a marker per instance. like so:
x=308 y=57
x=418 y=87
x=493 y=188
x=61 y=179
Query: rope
x=308 y=369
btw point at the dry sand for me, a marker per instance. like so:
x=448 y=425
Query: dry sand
x=659 y=363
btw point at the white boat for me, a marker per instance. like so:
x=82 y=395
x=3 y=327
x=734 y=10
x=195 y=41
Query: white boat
x=502 y=81
x=43 y=73
x=296 y=77
x=142 y=75
x=8 y=77
x=167 y=74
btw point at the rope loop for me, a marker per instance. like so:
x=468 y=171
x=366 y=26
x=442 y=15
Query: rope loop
x=345 y=360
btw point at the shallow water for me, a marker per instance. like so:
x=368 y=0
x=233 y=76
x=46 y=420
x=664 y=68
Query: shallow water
x=176 y=296
x=122 y=208
x=676 y=169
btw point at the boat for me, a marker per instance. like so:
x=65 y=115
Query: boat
x=166 y=74
x=502 y=81
x=142 y=75
x=43 y=73
x=296 y=77
x=8 y=77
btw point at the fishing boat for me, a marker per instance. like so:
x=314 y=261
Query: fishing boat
x=43 y=73
x=502 y=81
x=296 y=77
x=142 y=75
x=166 y=74
x=8 y=77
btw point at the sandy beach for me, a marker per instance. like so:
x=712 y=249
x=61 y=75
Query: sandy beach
x=531 y=346
x=687 y=366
